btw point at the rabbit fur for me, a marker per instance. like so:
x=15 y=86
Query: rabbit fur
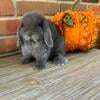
x=40 y=39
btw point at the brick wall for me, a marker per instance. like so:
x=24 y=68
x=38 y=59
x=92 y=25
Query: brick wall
x=12 y=10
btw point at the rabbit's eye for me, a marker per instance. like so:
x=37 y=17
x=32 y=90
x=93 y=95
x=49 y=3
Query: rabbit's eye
x=40 y=24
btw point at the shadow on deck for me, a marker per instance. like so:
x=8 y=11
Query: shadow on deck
x=77 y=80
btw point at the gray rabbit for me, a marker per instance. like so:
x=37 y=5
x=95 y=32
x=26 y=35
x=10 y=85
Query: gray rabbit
x=40 y=39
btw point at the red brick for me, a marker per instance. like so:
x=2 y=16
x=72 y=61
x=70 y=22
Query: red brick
x=7 y=44
x=8 y=26
x=46 y=8
x=95 y=8
x=6 y=7
x=65 y=6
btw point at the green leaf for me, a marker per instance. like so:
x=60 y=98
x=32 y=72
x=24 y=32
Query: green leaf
x=75 y=4
x=67 y=19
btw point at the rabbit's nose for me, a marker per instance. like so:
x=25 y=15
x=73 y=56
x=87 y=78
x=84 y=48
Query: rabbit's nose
x=35 y=37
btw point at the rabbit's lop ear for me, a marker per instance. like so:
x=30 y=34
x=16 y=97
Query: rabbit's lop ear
x=47 y=34
x=19 y=37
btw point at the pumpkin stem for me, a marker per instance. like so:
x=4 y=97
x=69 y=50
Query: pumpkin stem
x=75 y=4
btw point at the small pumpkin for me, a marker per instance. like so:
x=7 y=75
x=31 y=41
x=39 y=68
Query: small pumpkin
x=78 y=28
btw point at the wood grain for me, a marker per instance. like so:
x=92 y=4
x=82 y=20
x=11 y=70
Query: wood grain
x=79 y=79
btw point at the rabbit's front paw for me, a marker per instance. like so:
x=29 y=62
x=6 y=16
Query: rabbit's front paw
x=59 y=60
x=40 y=65
x=26 y=60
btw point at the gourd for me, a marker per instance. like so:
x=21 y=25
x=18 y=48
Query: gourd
x=79 y=28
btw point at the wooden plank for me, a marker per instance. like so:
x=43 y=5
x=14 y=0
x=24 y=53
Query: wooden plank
x=16 y=73
x=10 y=74
x=9 y=54
x=13 y=68
x=48 y=77
x=90 y=95
x=41 y=90
x=7 y=61
x=96 y=96
x=66 y=89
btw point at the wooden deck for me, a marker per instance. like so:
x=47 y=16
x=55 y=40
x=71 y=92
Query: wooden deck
x=77 y=80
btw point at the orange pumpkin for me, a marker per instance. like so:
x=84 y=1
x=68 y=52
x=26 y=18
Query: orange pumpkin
x=79 y=29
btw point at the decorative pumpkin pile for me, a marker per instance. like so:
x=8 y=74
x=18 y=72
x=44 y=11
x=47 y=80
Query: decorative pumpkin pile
x=79 y=29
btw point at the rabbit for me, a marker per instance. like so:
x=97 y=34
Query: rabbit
x=40 y=39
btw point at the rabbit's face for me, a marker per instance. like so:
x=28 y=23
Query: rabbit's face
x=41 y=53
x=32 y=36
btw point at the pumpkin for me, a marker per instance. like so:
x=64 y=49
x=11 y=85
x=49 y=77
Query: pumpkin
x=78 y=28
